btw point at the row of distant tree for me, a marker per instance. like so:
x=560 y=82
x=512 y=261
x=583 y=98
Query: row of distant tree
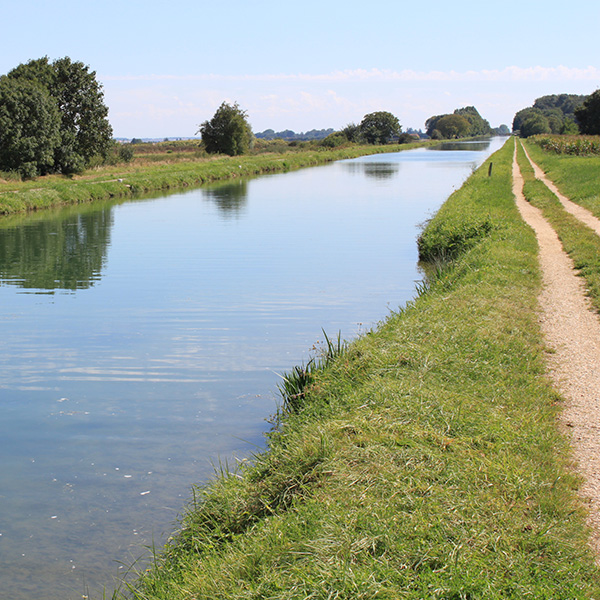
x=291 y=136
x=383 y=127
x=53 y=120
x=288 y=135
x=560 y=114
x=229 y=131
x=463 y=122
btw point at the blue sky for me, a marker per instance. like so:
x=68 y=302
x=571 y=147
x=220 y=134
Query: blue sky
x=166 y=66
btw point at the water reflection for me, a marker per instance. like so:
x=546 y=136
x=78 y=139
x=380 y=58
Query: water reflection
x=230 y=198
x=465 y=146
x=382 y=170
x=66 y=252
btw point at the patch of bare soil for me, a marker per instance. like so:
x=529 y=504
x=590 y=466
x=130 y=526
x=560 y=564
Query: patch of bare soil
x=572 y=330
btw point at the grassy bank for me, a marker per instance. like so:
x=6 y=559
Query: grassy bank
x=575 y=176
x=421 y=461
x=128 y=180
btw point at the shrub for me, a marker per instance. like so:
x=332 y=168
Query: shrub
x=334 y=140
x=446 y=239
x=228 y=132
x=126 y=153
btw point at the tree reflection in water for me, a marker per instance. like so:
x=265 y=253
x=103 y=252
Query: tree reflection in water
x=55 y=251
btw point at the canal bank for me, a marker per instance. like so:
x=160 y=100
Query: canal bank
x=423 y=461
x=125 y=182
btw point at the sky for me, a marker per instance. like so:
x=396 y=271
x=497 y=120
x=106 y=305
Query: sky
x=166 y=66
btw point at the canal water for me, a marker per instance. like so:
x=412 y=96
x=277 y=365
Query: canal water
x=142 y=343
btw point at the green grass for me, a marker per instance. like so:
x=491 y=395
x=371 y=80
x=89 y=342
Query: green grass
x=578 y=240
x=424 y=460
x=575 y=176
x=129 y=180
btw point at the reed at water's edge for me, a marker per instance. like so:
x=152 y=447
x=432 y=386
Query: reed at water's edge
x=124 y=181
x=422 y=460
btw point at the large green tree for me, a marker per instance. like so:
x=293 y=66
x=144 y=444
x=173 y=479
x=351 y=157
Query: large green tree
x=522 y=115
x=29 y=128
x=554 y=113
x=534 y=125
x=588 y=115
x=84 y=128
x=228 y=132
x=431 y=124
x=453 y=126
x=477 y=124
x=379 y=127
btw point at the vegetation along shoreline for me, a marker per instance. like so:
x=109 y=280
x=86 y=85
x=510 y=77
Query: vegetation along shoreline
x=421 y=460
x=176 y=172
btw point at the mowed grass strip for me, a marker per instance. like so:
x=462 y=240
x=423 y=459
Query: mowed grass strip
x=424 y=461
x=578 y=240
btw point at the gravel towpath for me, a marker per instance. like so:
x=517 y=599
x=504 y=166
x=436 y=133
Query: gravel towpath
x=572 y=331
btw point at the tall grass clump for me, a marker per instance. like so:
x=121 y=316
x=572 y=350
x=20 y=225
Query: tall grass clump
x=447 y=238
x=455 y=230
x=296 y=383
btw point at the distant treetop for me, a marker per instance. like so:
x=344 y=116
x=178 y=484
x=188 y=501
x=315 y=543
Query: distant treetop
x=379 y=127
x=448 y=126
x=555 y=113
x=289 y=135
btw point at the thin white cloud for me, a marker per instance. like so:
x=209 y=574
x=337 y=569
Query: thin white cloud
x=170 y=105
x=508 y=74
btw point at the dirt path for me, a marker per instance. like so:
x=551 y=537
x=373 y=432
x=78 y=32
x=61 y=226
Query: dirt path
x=583 y=214
x=572 y=329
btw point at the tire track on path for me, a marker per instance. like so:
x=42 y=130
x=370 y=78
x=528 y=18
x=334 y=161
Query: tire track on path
x=583 y=214
x=572 y=331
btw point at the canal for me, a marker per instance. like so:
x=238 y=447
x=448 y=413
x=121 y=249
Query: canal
x=143 y=341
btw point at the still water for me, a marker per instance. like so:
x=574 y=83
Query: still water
x=142 y=343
